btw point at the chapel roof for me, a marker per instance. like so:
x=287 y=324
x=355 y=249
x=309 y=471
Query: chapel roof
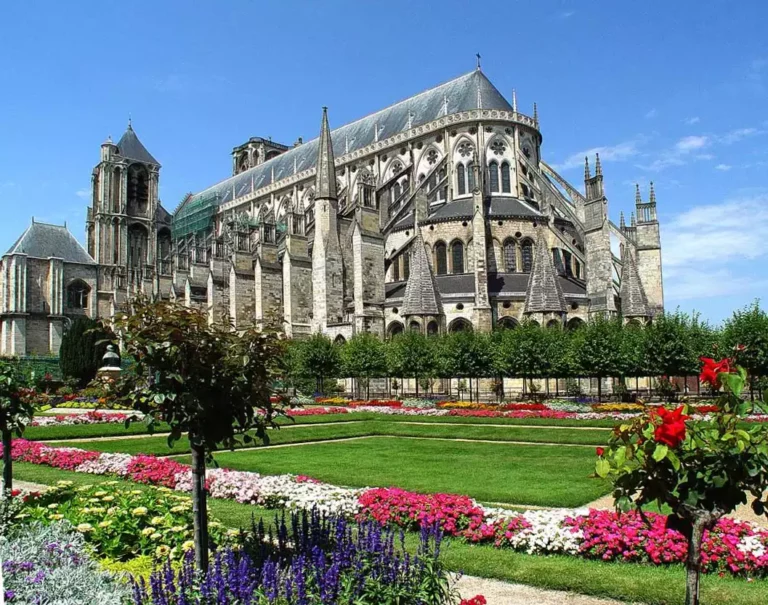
x=129 y=146
x=467 y=92
x=42 y=240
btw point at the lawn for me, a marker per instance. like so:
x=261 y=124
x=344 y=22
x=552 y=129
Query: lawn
x=490 y=472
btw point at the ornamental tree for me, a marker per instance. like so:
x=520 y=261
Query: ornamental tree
x=209 y=381
x=701 y=469
x=745 y=336
x=413 y=355
x=15 y=413
x=598 y=349
x=467 y=354
x=364 y=357
x=523 y=352
x=320 y=358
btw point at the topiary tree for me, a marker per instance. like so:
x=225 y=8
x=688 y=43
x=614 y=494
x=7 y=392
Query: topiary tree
x=320 y=358
x=364 y=357
x=523 y=351
x=82 y=348
x=15 y=414
x=210 y=382
x=467 y=354
x=599 y=352
x=700 y=469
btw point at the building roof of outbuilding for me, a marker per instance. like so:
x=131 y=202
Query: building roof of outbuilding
x=465 y=93
x=42 y=240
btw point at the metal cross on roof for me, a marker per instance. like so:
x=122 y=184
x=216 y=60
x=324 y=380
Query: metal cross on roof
x=478 y=60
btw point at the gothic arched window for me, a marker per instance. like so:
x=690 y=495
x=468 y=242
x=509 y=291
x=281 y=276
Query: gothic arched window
x=396 y=269
x=406 y=265
x=77 y=295
x=506 y=185
x=527 y=249
x=510 y=256
x=493 y=176
x=138 y=190
x=457 y=257
x=432 y=328
x=137 y=246
x=461 y=179
x=441 y=259
x=471 y=176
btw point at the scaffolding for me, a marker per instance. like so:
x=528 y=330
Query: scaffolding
x=194 y=216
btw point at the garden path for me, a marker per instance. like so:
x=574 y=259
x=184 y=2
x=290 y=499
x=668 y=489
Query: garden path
x=503 y=593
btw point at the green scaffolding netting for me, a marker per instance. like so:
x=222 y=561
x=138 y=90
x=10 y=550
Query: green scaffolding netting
x=194 y=216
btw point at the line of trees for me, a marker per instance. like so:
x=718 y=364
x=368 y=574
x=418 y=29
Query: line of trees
x=670 y=346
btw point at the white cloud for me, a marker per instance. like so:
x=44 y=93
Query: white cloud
x=692 y=120
x=652 y=113
x=723 y=167
x=611 y=153
x=566 y=14
x=691 y=143
x=83 y=194
x=707 y=252
x=734 y=136
x=680 y=153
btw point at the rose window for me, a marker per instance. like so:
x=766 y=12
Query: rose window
x=498 y=147
x=465 y=150
x=431 y=156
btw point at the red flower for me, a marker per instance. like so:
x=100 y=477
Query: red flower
x=711 y=369
x=600 y=451
x=671 y=431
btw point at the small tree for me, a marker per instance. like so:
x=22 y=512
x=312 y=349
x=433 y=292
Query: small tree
x=364 y=357
x=15 y=414
x=523 y=351
x=411 y=354
x=599 y=351
x=701 y=470
x=320 y=358
x=82 y=348
x=468 y=354
x=207 y=381
x=745 y=336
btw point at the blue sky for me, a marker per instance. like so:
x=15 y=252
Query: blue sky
x=674 y=92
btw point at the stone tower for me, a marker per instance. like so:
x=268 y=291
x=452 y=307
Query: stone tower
x=327 y=267
x=649 y=251
x=122 y=221
x=597 y=240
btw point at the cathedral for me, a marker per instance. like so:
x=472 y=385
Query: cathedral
x=436 y=214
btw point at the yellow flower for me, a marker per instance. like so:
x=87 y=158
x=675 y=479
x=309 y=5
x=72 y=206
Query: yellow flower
x=64 y=483
x=140 y=511
x=84 y=528
x=233 y=532
x=108 y=499
x=179 y=528
x=162 y=550
x=156 y=536
x=99 y=510
x=147 y=531
x=85 y=510
x=100 y=494
x=136 y=492
x=55 y=517
x=112 y=510
x=188 y=545
x=53 y=506
x=104 y=524
x=177 y=509
x=214 y=524
x=165 y=490
x=157 y=521
x=84 y=488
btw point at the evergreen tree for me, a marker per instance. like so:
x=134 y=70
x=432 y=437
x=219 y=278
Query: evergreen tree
x=82 y=349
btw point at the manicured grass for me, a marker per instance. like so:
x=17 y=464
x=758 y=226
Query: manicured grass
x=517 y=474
x=506 y=421
x=626 y=582
x=497 y=433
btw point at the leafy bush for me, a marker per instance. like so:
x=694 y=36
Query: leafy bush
x=48 y=564
x=122 y=524
x=80 y=355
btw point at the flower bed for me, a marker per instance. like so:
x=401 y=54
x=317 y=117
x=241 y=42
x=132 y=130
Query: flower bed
x=732 y=546
x=87 y=418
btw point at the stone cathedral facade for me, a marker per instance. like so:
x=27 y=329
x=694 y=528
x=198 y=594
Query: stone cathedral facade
x=435 y=214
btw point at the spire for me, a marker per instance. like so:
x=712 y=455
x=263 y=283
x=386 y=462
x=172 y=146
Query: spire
x=325 y=180
x=587 y=175
x=535 y=114
x=130 y=125
x=622 y=222
x=544 y=291
x=420 y=296
x=652 y=194
x=478 y=60
x=598 y=166
x=514 y=100
x=638 y=197
x=633 y=220
x=634 y=302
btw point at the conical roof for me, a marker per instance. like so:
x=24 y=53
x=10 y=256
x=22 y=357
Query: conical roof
x=129 y=146
x=325 y=181
x=545 y=295
x=420 y=296
x=634 y=302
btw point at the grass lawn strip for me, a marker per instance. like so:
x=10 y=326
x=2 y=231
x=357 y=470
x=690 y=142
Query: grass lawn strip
x=508 y=472
x=628 y=582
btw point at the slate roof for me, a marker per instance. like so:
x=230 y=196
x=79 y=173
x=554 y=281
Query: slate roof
x=634 y=303
x=544 y=291
x=499 y=207
x=130 y=147
x=42 y=240
x=462 y=283
x=465 y=93
x=420 y=296
x=325 y=179
x=395 y=289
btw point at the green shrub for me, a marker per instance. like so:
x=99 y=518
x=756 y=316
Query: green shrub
x=81 y=350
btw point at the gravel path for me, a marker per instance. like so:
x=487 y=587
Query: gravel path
x=503 y=593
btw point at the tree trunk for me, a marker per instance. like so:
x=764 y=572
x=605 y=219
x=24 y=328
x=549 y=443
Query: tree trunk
x=416 y=379
x=199 y=507
x=599 y=389
x=693 y=560
x=7 y=463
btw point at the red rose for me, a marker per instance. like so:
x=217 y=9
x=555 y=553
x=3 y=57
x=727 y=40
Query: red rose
x=672 y=429
x=711 y=370
x=600 y=451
